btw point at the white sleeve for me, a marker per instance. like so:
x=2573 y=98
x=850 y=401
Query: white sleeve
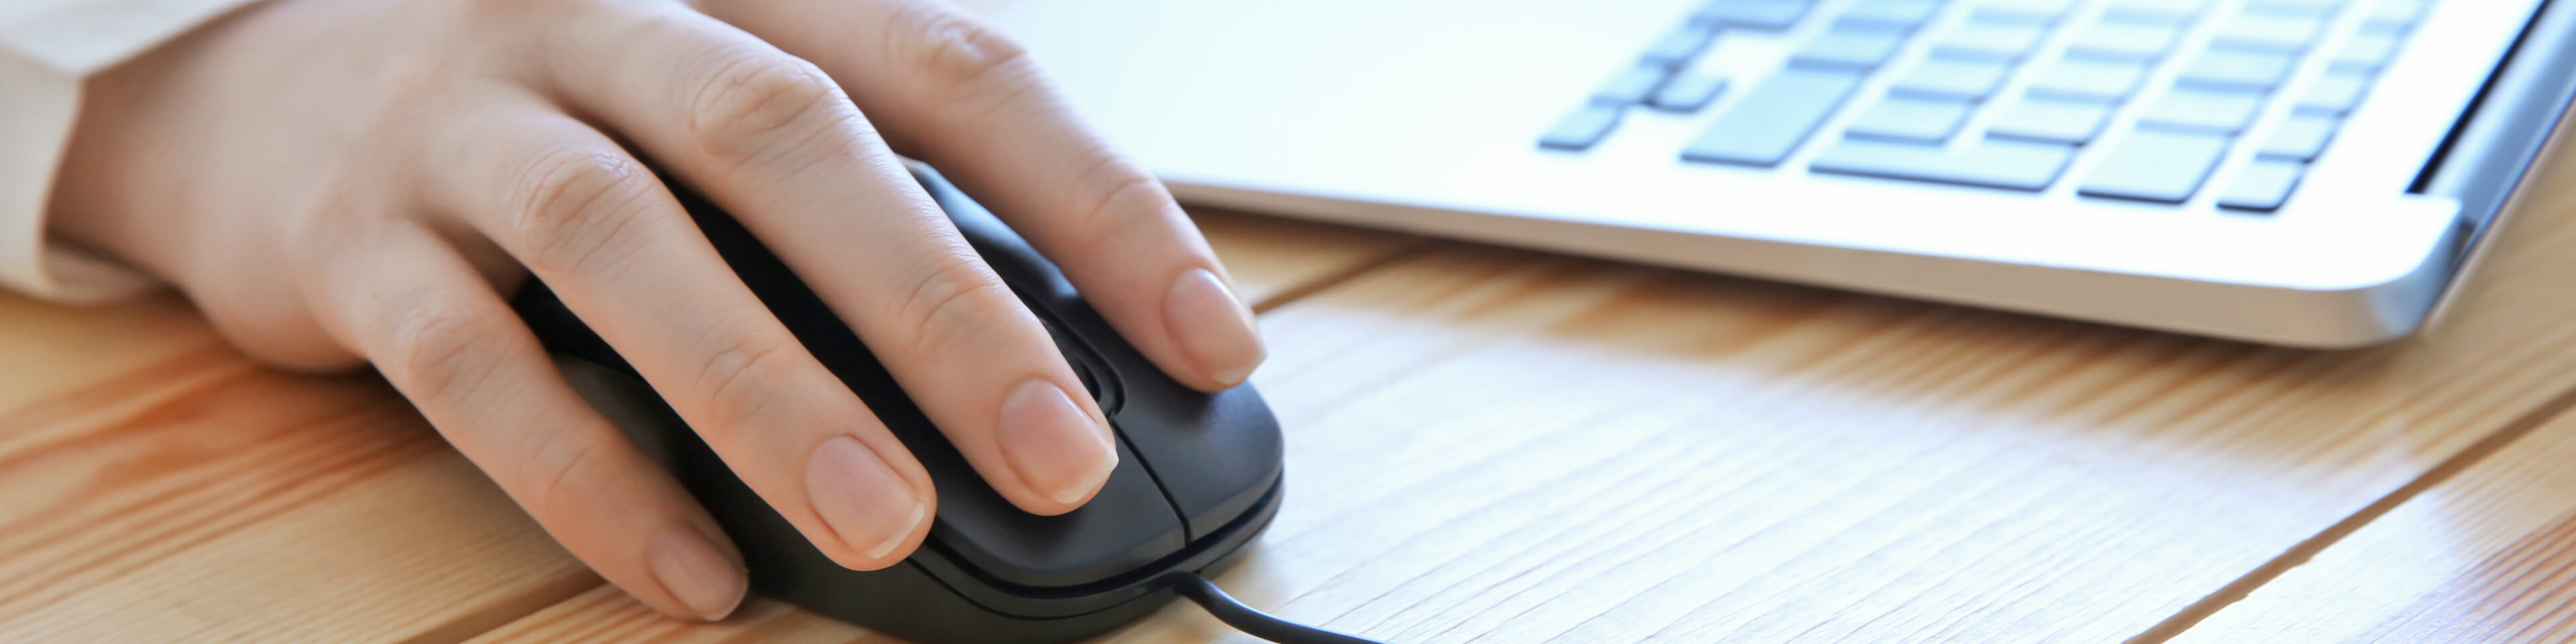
x=46 y=48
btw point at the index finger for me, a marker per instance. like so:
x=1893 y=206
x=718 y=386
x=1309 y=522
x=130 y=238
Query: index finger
x=972 y=103
x=771 y=139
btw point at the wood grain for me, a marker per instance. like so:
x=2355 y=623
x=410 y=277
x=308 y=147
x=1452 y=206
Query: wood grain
x=57 y=352
x=2486 y=555
x=199 y=497
x=162 y=488
x=1274 y=261
x=606 y=615
x=1498 y=446
x=1540 y=449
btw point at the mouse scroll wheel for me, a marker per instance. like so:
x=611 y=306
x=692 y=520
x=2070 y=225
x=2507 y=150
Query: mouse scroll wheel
x=1090 y=381
x=1079 y=357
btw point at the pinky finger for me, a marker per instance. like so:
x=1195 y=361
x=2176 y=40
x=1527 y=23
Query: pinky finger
x=442 y=336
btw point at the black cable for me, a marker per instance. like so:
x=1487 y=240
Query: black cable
x=1252 y=622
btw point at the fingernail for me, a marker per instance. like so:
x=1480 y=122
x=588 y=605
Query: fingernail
x=706 y=580
x=1059 y=450
x=871 y=507
x=1213 y=326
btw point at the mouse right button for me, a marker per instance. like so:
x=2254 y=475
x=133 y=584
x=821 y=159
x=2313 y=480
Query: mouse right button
x=1125 y=526
x=1214 y=454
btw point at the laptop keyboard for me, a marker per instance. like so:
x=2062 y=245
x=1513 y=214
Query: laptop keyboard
x=2084 y=60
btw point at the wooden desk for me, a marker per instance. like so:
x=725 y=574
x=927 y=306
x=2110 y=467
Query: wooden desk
x=1487 y=445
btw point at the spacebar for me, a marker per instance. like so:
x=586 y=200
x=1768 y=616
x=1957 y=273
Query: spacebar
x=1988 y=163
x=1768 y=123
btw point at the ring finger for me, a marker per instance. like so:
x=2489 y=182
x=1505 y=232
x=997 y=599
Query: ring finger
x=443 y=337
x=773 y=140
x=596 y=226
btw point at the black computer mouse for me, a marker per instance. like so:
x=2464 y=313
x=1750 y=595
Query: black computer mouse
x=1198 y=473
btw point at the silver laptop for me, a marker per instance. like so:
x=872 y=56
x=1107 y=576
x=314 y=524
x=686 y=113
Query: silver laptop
x=2300 y=172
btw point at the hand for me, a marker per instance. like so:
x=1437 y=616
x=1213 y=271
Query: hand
x=346 y=180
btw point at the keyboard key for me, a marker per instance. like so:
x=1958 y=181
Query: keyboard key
x=2155 y=165
x=2394 y=15
x=2159 y=12
x=2051 y=120
x=1991 y=41
x=2124 y=41
x=2045 y=7
x=1988 y=163
x=1582 y=129
x=1679 y=46
x=2261 y=32
x=1767 y=15
x=2021 y=11
x=1952 y=78
x=2262 y=186
x=1687 y=93
x=2366 y=52
x=1632 y=86
x=1853 y=48
x=1900 y=15
x=2301 y=138
x=2334 y=94
x=2240 y=70
x=2098 y=80
x=2223 y=112
x=2296 y=8
x=1770 y=121
x=1911 y=119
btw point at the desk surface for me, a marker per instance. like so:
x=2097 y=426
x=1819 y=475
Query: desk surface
x=1483 y=444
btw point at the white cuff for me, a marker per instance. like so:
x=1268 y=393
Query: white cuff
x=46 y=48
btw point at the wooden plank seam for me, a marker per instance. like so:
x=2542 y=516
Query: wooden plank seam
x=2235 y=591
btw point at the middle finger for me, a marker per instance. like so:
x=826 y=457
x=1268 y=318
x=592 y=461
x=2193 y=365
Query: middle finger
x=775 y=142
x=593 y=224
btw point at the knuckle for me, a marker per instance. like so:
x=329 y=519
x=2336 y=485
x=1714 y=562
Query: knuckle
x=334 y=236
x=955 y=53
x=522 y=7
x=572 y=205
x=429 y=352
x=528 y=21
x=950 y=303
x=502 y=10
x=739 y=377
x=561 y=477
x=752 y=103
x=1122 y=197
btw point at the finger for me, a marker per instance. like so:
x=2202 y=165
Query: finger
x=442 y=337
x=951 y=91
x=772 y=140
x=595 y=226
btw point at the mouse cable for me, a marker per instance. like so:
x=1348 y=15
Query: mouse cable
x=1253 y=622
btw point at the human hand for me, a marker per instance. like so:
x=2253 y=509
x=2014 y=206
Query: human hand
x=338 y=181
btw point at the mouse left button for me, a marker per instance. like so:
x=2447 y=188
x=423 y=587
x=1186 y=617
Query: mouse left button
x=1085 y=361
x=1124 y=527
